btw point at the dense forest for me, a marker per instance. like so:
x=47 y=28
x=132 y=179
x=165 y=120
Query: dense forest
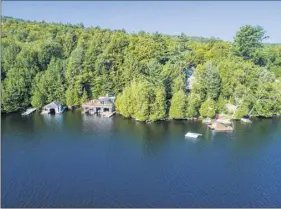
x=149 y=73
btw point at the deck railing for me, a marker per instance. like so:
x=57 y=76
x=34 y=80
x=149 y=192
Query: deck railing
x=98 y=105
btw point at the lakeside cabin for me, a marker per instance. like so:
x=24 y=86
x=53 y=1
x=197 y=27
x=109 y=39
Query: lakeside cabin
x=101 y=105
x=53 y=108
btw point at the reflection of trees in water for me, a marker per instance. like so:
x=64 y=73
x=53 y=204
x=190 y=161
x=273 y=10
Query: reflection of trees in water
x=96 y=124
x=17 y=123
x=38 y=121
x=150 y=137
x=260 y=132
x=72 y=121
x=54 y=122
x=155 y=136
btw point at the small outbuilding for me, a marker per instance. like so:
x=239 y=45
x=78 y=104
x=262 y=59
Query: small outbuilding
x=53 y=108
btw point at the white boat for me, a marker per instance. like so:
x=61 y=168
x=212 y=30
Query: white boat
x=246 y=120
x=192 y=135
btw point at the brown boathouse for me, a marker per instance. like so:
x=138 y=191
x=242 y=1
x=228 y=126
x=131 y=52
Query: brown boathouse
x=100 y=105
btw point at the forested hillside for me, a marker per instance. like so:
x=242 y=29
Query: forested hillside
x=42 y=62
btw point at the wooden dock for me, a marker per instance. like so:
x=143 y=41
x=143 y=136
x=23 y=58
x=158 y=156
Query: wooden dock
x=220 y=127
x=29 y=111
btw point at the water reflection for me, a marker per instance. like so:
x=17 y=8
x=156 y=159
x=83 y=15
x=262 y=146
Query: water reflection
x=18 y=124
x=96 y=124
x=156 y=137
x=150 y=137
x=53 y=121
x=256 y=134
x=91 y=153
x=38 y=122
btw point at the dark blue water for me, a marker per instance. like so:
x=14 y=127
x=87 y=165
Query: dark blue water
x=73 y=160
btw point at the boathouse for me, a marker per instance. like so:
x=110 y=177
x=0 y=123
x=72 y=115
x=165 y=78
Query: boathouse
x=53 y=108
x=100 y=105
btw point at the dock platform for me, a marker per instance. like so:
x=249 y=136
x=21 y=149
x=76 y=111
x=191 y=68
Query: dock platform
x=220 y=127
x=29 y=111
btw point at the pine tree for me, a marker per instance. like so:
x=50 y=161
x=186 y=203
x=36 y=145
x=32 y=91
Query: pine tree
x=241 y=111
x=221 y=104
x=158 y=107
x=84 y=97
x=178 y=105
x=193 y=104
x=125 y=105
x=247 y=40
x=208 y=108
x=213 y=81
x=140 y=100
x=72 y=97
x=38 y=100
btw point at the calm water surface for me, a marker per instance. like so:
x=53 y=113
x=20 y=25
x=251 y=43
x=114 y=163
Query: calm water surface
x=73 y=160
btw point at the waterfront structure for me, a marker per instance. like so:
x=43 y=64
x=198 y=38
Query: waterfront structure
x=220 y=127
x=29 y=111
x=54 y=107
x=102 y=105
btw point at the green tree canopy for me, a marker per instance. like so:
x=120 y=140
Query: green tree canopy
x=248 y=40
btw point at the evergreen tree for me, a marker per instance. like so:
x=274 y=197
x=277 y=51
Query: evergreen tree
x=43 y=62
x=158 y=107
x=38 y=100
x=213 y=81
x=84 y=97
x=125 y=106
x=221 y=104
x=16 y=89
x=193 y=105
x=268 y=101
x=208 y=108
x=247 y=40
x=72 y=97
x=241 y=111
x=178 y=105
x=140 y=100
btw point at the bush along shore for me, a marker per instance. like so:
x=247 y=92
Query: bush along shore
x=154 y=76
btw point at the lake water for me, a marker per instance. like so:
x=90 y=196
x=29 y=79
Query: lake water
x=74 y=160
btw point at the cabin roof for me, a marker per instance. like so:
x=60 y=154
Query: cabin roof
x=54 y=104
x=105 y=100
